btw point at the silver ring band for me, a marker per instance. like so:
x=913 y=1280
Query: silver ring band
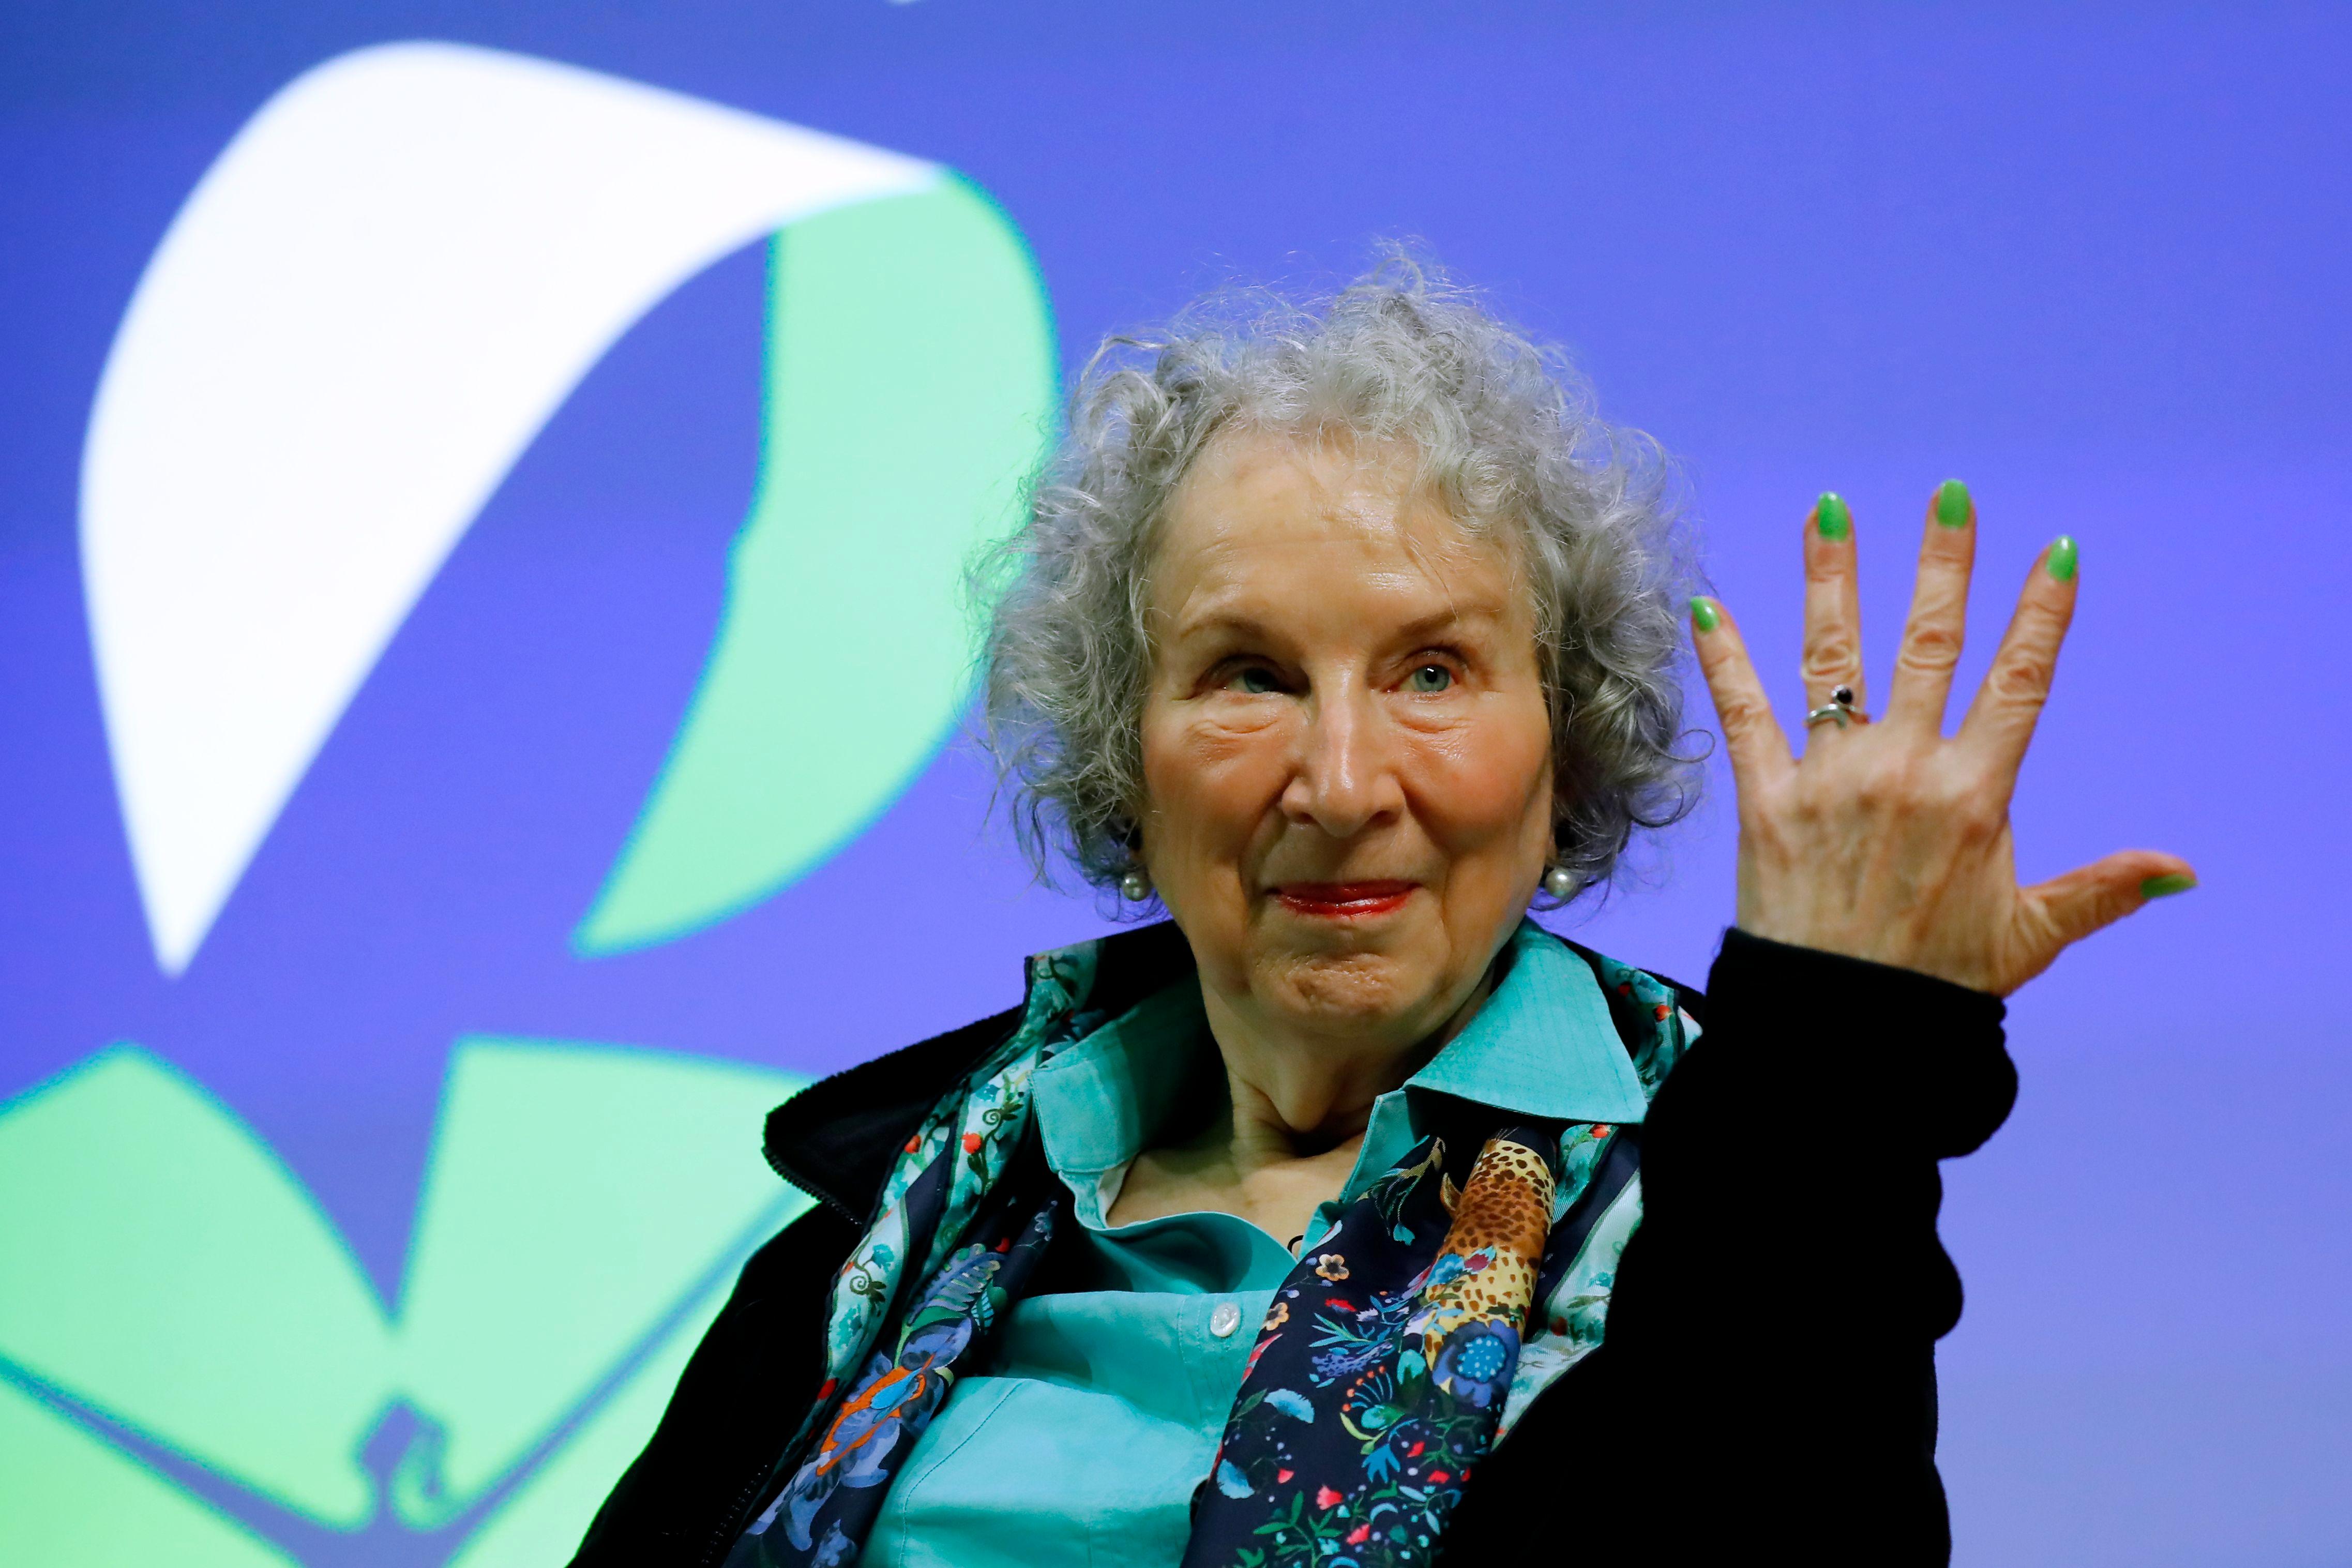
x=1839 y=707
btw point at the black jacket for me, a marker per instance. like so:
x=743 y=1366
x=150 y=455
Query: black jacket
x=1768 y=1384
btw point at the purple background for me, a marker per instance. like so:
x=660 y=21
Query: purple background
x=2092 y=260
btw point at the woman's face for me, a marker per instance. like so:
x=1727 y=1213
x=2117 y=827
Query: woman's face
x=1347 y=754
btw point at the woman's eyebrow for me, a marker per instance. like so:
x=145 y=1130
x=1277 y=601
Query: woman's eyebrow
x=1218 y=620
x=1452 y=618
x=1227 y=620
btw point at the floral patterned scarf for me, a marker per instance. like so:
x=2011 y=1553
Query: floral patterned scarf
x=1393 y=1358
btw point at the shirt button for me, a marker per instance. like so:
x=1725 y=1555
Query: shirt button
x=1225 y=1320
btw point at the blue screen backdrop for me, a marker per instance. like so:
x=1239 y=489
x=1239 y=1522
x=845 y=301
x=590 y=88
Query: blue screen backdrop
x=305 y=1185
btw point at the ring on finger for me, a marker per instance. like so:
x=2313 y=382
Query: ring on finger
x=1839 y=710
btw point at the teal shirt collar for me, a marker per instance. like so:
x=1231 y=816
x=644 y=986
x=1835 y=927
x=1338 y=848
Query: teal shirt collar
x=1100 y=1098
x=1543 y=1046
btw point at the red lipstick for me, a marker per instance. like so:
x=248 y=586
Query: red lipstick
x=1343 y=900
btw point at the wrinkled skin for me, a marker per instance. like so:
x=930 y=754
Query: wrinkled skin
x=1344 y=694
x=1888 y=841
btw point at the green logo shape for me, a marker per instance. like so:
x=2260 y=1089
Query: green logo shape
x=909 y=389
x=194 y=1370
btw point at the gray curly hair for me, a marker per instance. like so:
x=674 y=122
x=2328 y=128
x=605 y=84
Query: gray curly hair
x=1505 y=437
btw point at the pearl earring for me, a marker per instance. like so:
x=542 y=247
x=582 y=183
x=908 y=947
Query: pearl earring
x=1135 y=886
x=1559 y=882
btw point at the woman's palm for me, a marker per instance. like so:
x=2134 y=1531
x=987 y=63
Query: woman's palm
x=1888 y=840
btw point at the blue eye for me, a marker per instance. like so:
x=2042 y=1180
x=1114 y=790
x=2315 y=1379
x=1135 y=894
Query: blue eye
x=1257 y=681
x=1429 y=678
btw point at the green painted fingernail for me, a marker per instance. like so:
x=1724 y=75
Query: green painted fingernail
x=1829 y=515
x=1952 y=507
x=1704 y=616
x=2062 y=559
x=2164 y=887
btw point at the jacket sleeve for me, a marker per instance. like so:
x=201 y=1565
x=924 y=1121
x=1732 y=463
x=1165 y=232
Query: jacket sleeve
x=1768 y=1377
x=735 y=1407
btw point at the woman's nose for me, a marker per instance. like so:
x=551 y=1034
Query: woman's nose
x=1345 y=779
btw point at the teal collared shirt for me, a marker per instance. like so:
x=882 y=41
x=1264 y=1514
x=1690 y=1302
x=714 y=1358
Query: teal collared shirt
x=1104 y=1407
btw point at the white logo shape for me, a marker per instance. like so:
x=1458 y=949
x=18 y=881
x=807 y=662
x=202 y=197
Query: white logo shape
x=372 y=302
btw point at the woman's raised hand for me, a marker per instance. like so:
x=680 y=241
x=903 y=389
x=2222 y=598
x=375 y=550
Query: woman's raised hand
x=1888 y=841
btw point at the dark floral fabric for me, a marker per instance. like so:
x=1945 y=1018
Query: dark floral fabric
x=825 y=1511
x=1382 y=1369
x=1403 y=1343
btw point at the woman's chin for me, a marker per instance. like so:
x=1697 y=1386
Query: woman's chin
x=1363 y=990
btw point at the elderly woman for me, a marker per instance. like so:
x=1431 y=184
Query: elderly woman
x=1348 y=1216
